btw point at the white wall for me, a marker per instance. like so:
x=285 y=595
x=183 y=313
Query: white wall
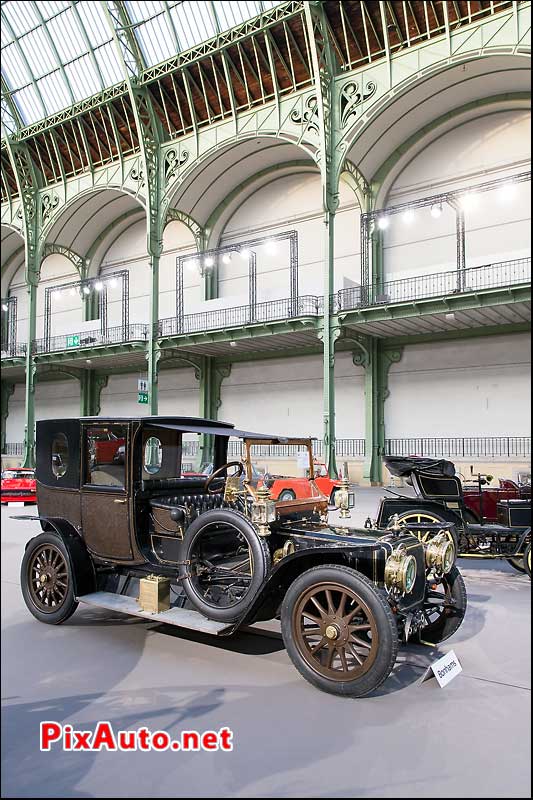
x=292 y=202
x=178 y=394
x=52 y=399
x=497 y=229
x=480 y=387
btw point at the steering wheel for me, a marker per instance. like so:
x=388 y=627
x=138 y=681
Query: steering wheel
x=216 y=473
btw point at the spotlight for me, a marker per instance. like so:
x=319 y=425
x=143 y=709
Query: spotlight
x=383 y=223
x=226 y=258
x=4 y=306
x=450 y=317
x=245 y=254
x=209 y=262
x=408 y=216
x=98 y=286
x=113 y=283
x=469 y=201
x=507 y=192
x=271 y=247
x=436 y=211
x=88 y=361
x=233 y=344
x=86 y=290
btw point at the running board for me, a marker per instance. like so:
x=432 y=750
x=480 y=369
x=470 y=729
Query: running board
x=182 y=617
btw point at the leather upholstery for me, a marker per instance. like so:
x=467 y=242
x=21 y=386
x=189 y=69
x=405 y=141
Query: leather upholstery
x=199 y=502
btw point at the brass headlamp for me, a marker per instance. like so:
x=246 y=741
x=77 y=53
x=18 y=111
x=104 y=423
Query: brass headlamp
x=400 y=571
x=440 y=553
x=342 y=499
x=263 y=511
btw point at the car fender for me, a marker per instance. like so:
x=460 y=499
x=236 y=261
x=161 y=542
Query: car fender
x=399 y=505
x=81 y=563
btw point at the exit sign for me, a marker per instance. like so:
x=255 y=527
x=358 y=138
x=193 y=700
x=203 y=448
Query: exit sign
x=142 y=397
x=73 y=341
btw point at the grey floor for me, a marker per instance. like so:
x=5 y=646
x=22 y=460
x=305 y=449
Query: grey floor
x=412 y=739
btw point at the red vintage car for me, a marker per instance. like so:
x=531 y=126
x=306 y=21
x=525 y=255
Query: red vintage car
x=18 y=486
x=104 y=446
x=286 y=487
x=481 y=500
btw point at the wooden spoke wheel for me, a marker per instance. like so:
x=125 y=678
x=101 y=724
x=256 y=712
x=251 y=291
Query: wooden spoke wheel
x=339 y=631
x=46 y=579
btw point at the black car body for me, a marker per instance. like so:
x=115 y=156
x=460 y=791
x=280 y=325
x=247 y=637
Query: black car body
x=232 y=556
x=439 y=499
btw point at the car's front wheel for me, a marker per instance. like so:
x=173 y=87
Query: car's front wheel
x=339 y=631
x=287 y=494
x=527 y=560
x=444 y=607
x=46 y=580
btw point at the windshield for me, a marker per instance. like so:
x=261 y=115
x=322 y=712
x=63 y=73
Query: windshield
x=287 y=469
x=10 y=474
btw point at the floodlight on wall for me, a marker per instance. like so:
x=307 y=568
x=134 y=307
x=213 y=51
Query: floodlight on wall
x=245 y=254
x=226 y=258
x=99 y=286
x=5 y=307
x=408 y=216
x=436 y=210
x=86 y=290
x=209 y=262
x=383 y=223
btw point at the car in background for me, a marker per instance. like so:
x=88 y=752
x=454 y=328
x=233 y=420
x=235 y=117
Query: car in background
x=18 y=485
x=104 y=446
x=285 y=487
x=481 y=500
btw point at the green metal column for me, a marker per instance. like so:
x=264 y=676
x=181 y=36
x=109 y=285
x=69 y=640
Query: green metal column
x=29 y=416
x=153 y=353
x=376 y=359
x=330 y=333
x=91 y=385
x=7 y=390
x=211 y=376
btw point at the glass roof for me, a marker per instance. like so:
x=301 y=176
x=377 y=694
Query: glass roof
x=55 y=54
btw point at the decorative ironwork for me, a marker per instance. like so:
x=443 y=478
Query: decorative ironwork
x=351 y=97
x=174 y=159
x=308 y=117
x=136 y=332
x=48 y=203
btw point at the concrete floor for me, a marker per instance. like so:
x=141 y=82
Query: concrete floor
x=411 y=739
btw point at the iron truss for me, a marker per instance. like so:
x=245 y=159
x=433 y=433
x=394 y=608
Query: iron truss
x=260 y=60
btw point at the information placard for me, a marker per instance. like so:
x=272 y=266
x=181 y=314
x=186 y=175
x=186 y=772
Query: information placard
x=446 y=668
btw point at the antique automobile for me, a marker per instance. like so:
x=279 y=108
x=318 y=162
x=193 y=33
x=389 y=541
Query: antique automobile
x=481 y=499
x=215 y=553
x=18 y=485
x=439 y=498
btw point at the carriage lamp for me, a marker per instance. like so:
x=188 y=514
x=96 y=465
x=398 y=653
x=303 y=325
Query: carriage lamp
x=342 y=499
x=263 y=510
x=400 y=571
x=440 y=553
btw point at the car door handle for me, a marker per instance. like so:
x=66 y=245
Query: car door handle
x=120 y=501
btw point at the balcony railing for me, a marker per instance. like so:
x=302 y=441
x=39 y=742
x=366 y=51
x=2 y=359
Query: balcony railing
x=461 y=447
x=15 y=350
x=74 y=341
x=238 y=316
x=13 y=449
x=439 y=284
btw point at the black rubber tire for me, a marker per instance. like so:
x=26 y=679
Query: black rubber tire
x=517 y=563
x=378 y=605
x=261 y=559
x=69 y=604
x=287 y=494
x=436 y=517
x=527 y=561
x=448 y=624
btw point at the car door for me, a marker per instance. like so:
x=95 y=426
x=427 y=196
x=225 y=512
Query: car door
x=106 y=492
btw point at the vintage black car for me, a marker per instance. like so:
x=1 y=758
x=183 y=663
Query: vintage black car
x=215 y=553
x=439 y=499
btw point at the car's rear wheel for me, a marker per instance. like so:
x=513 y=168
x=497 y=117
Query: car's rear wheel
x=518 y=562
x=339 y=631
x=287 y=494
x=46 y=580
x=229 y=563
x=444 y=607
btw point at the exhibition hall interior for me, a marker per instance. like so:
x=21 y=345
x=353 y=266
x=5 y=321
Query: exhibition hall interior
x=265 y=398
